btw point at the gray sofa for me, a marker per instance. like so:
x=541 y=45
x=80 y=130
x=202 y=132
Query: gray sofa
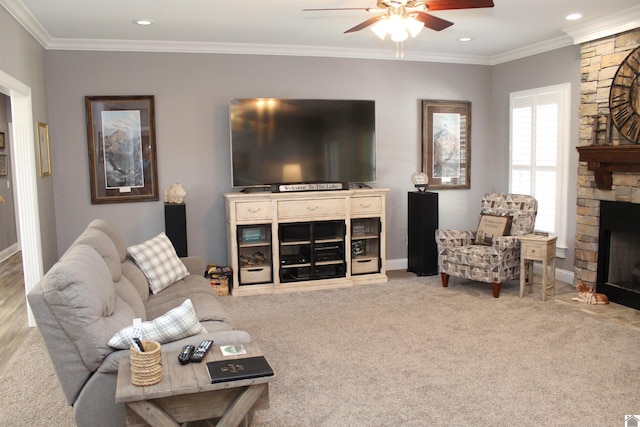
x=96 y=290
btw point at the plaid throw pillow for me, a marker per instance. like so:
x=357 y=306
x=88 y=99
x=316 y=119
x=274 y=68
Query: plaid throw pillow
x=177 y=323
x=159 y=262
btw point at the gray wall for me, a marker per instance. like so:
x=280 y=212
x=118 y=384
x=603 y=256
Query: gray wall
x=191 y=99
x=22 y=58
x=547 y=69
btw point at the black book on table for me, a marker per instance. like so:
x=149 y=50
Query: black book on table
x=238 y=369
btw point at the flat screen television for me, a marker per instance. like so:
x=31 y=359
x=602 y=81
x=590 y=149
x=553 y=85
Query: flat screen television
x=287 y=141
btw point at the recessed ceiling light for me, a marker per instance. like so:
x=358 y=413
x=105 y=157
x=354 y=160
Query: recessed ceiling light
x=143 y=22
x=465 y=39
x=573 y=17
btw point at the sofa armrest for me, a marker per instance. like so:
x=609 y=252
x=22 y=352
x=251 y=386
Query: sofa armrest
x=195 y=265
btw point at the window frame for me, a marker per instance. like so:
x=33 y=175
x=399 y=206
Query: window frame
x=562 y=152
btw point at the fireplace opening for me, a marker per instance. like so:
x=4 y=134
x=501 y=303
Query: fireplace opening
x=619 y=253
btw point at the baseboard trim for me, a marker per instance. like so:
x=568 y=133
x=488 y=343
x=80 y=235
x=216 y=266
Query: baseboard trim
x=561 y=275
x=6 y=253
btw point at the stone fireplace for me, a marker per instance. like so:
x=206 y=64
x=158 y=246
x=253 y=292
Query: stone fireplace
x=608 y=178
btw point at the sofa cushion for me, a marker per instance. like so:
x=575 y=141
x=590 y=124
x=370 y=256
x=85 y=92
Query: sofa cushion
x=159 y=262
x=107 y=228
x=205 y=300
x=105 y=247
x=81 y=295
x=177 y=323
x=131 y=271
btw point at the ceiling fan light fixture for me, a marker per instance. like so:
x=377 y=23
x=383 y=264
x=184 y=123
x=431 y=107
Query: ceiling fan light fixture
x=412 y=25
x=380 y=28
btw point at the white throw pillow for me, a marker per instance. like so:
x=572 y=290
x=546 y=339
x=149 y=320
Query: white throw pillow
x=159 y=262
x=177 y=323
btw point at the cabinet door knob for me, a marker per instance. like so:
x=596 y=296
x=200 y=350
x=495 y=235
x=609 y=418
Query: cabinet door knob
x=254 y=210
x=312 y=208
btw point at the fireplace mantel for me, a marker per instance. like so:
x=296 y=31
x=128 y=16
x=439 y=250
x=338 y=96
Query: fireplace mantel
x=603 y=160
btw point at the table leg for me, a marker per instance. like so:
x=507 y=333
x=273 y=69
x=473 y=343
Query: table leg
x=152 y=414
x=544 y=279
x=523 y=275
x=241 y=406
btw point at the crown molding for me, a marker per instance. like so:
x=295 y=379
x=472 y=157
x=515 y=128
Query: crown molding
x=534 y=49
x=29 y=22
x=256 y=49
x=615 y=23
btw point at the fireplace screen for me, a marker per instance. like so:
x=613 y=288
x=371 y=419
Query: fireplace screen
x=619 y=253
x=624 y=261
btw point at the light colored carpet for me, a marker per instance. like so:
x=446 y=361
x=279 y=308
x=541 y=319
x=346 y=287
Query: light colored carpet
x=409 y=353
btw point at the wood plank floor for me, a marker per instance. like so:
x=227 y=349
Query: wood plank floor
x=14 y=326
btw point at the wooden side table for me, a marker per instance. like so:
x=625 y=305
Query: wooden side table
x=185 y=394
x=538 y=248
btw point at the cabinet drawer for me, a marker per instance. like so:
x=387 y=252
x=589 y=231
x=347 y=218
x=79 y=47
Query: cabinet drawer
x=366 y=205
x=364 y=266
x=533 y=251
x=312 y=208
x=255 y=275
x=253 y=210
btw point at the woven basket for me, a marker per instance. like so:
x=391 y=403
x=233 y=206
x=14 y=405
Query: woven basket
x=145 y=367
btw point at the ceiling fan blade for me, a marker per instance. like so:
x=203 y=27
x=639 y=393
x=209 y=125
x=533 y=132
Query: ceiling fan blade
x=337 y=8
x=364 y=24
x=457 y=4
x=430 y=21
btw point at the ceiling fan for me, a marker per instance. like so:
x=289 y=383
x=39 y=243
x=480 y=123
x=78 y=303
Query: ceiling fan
x=411 y=13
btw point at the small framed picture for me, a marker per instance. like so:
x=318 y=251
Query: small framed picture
x=2 y=143
x=4 y=165
x=43 y=144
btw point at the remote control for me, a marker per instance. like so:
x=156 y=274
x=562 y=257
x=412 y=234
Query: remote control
x=201 y=351
x=185 y=354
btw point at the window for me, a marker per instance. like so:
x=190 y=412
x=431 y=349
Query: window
x=539 y=144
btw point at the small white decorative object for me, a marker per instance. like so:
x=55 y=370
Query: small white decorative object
x=174 y=194
x=420 y=180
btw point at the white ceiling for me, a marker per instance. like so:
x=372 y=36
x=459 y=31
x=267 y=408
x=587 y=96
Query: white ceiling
x=512 y=29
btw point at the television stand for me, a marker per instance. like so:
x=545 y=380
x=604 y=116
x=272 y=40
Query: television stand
x=292 y=241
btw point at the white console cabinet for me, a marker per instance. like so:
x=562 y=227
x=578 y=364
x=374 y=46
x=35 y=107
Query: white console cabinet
x=282 y=242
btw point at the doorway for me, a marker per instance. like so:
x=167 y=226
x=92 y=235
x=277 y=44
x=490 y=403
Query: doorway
x=21 y=133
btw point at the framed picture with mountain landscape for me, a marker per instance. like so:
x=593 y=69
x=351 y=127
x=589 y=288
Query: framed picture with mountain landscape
x=122 y=148
x=446 y=143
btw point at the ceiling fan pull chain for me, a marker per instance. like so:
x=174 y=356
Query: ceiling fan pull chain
x=400 y=50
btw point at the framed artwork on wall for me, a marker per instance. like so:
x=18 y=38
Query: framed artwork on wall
x=4 y=165
x=446 y=143
x=2 y=143
x=122 y=148
x=43 y=147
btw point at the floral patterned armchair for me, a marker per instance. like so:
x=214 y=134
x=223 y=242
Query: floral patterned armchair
x=460 y=256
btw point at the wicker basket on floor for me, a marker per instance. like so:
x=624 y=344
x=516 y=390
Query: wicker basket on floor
x=145 y=366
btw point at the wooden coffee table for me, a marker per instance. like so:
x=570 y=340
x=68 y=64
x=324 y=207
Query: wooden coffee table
x=185 y=394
